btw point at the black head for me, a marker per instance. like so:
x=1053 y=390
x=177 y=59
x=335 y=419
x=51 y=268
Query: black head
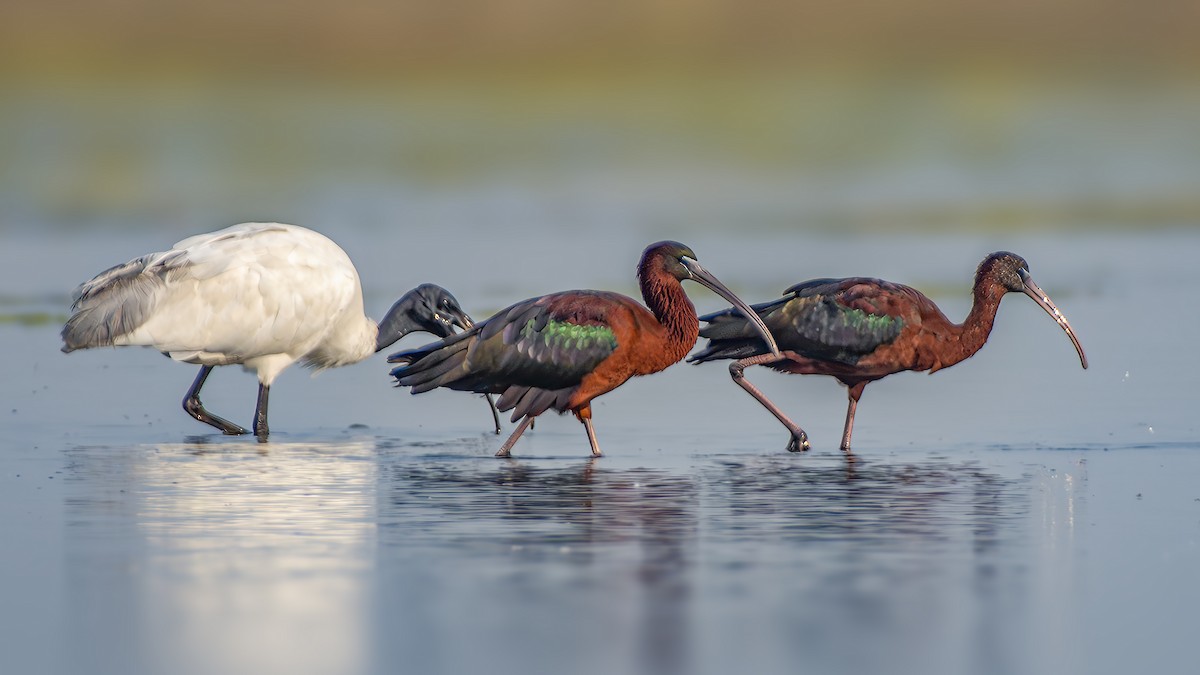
x=678 y=261
x=1010 y=272
x=428 y=308
x=1004 y=269
x=666 y=256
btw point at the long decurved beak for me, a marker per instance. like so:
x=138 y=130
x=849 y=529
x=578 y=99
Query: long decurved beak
x=458 y=318
x=1039 y=296
x=705 y=277
x=444 y=321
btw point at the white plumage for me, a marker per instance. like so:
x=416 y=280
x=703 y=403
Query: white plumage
x=262 y=295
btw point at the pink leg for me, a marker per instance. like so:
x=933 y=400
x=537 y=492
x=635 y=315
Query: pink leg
x=505 y=450
x=587 y=423
x=799 y=441
x=855 y=393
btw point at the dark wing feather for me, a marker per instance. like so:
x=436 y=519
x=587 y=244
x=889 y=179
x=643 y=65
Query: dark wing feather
x=534 y=353
x=119 y=300
x=825 y=319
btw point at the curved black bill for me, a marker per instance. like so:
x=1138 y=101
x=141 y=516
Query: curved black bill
x=705 y=277
x=458 y=318
x=1039 y=296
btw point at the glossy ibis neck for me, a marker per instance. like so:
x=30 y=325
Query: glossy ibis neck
x=975 y=329
x=668 y=302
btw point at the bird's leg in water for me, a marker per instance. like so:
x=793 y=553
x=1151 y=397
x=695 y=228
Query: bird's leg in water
x=855 y=393
x=506 y=449
x=585 y=416
x=260 y=413
x=495 y=413
x=799 y=442
x=193 y=406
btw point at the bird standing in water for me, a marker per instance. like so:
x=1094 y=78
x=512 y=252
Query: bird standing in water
x=262 y=295
x=859 y=330
x=562 y=350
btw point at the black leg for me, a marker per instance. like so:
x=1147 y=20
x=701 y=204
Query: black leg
x=260 y=413
x=195 y=408
x=495 y=413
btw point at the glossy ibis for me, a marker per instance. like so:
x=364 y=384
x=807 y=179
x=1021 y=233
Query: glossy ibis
x=860 y=330
x=263 y=295
x=562 y=350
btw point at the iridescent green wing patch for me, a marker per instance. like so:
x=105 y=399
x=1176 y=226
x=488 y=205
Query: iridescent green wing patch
x=876 y=326
x=564 y=347
x=567 y=337
x=823 y=328
x=534 y=345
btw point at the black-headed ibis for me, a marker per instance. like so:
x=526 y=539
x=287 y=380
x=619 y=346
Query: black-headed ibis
x=860 y=330
x=562 y=350
x=262 y=295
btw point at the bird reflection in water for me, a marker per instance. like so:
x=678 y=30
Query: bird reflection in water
x=599 y=505
x=630 y=533
x=881 y=504
x=534 y=506
x=245 y=540
x=656 y=548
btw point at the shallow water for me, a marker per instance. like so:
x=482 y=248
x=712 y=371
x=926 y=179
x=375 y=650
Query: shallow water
x=359 y=554
x=1013 y=514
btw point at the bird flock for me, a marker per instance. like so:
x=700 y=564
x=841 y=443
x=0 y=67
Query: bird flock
x=267 y=295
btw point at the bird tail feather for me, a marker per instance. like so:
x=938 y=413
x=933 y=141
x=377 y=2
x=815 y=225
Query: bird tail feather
x=117 y=301
x=531 y=401
x=431 y=366
x=728 y=349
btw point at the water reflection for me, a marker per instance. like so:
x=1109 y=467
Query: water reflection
x=712 y=566
x=527 y=504
x=586 y=504
x=223 y=556
x=878 y=504
x=849 y=555
x=1060 y=509
x=609 y=550
x=220 y=556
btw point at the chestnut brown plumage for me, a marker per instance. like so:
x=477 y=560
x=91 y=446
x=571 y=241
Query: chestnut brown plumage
x=859 y=330
x=562 y=350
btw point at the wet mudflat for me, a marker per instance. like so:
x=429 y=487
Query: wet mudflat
x=1013 y=514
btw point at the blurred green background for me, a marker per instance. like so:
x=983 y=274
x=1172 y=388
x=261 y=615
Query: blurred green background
x=673 y=114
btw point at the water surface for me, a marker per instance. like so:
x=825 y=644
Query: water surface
x=1013 y=514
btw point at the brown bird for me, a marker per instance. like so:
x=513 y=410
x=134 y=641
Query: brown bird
x=562 y=350
x=860 y=330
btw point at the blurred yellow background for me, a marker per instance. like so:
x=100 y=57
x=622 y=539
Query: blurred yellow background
x=384 y=36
